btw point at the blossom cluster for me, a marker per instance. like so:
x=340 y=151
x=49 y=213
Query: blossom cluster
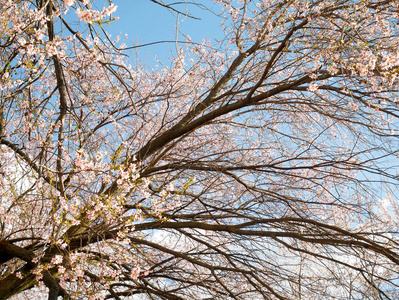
x=90 y=16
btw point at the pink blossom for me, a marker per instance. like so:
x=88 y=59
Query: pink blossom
x=61 y=269
x=22 y=41
x=57 y=259
x=313 y=87
x=111 y=9
x=79 y=272
x=135 y=273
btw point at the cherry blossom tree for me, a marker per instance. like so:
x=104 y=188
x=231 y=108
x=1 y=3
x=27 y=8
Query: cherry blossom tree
x=260 y=166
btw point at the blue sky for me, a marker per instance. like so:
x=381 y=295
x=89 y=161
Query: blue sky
x=148 y=22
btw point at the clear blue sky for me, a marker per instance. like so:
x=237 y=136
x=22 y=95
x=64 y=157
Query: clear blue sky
x=148 y=22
